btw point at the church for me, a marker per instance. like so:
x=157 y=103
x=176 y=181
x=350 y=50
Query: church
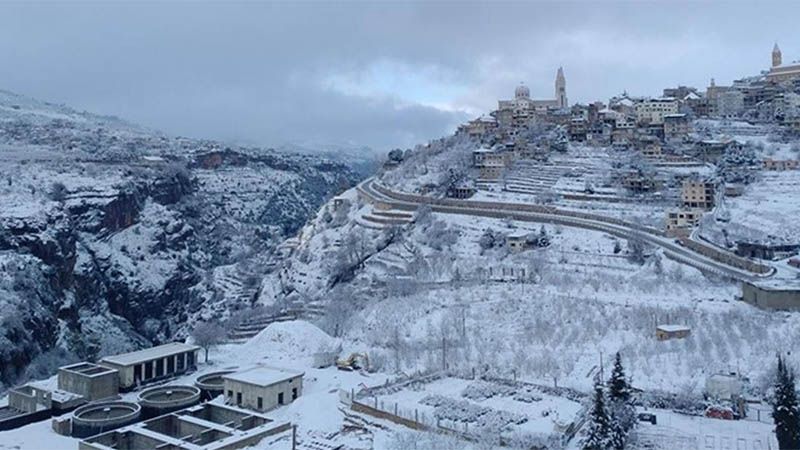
x=522 y=102
x=780 y=72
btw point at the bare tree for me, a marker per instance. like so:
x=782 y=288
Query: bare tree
x=207 y=335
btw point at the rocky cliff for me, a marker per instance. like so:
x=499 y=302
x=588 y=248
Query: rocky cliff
x=113 y=237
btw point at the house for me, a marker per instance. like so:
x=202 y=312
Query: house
x=680 y=222
x=640 y=183
x=262 y=388
x=667 y=332
x=780 y=164
x=653 y=110
x=767 y=248
x=517 y=241
x=676 y=126
x=152 y=364
x=698 y=194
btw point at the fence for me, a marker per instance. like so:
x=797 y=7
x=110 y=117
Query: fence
x=367 y=401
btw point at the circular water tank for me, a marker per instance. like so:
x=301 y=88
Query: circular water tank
x=165 y=399
x=212 y=384
x=96 y=418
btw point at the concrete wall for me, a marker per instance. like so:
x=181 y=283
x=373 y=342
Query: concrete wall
x=269 y=394
x=771 y=299
x=93 y=387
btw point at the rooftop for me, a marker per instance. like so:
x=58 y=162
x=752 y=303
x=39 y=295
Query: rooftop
x=263 y=376
x=673 y=328
x=150 y=354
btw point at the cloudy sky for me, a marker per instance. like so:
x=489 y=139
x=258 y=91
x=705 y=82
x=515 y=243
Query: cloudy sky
x=380 y=74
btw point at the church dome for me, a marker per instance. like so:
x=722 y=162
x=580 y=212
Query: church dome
x=522 y=91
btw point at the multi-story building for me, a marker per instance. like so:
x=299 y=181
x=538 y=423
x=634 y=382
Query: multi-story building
x=653 y=110
x=680 y=222
x=676 y=126
x=698 y=194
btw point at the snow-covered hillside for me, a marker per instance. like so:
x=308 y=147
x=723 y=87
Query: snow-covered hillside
x=111 y=234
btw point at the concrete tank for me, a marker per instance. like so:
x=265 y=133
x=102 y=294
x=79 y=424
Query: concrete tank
x=212 y=384
x=161 y=400
x=96 y=418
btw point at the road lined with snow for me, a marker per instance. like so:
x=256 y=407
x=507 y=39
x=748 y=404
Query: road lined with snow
x=379 y=194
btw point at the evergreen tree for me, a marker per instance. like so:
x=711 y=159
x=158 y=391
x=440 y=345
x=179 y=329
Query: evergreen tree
x=618 y=388
x=620 y=404
x=785 y=409
x=600 y=429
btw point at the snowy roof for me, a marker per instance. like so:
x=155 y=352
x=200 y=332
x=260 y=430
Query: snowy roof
x=483 y=150
x=673 y=328
x=674 y=116
x=518 y=235
x=150 y=354
x=263 y=376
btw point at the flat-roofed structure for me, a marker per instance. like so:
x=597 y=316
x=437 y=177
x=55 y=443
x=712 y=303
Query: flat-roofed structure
x=263 y=388
x=667 y=332
x=208 y=426
x=92 y=381
x=152 y=364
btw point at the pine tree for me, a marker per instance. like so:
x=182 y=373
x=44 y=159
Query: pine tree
x=618 y=388
x=620 y=404
x=599 y=435
x=785 y=409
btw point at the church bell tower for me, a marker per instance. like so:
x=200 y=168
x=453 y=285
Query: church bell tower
x=561 y=89
x=777 y=59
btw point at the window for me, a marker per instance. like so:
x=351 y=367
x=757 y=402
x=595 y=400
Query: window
x=294 y=394
x=137 y=372
x=280 y=398
x=260 y=403
x=190 y=359
x=230 y=394
x=171 y=364
x=181 y=362
x=238 y=398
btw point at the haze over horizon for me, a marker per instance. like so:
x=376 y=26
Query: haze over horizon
x=381 y=75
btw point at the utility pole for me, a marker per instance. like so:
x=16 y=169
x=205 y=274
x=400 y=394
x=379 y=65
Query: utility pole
x=294 y=437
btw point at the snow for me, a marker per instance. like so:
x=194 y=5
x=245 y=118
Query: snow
x=263 y=376
x=296 y=339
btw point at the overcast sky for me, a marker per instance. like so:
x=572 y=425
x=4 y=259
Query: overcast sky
x=376 y=74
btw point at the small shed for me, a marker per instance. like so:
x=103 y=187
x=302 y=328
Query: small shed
x=518 y=241
x=263 y=388
x=667 y=332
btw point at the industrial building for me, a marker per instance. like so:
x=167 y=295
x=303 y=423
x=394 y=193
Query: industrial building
x=202 y=427
x=152 y=364
x=92 y=381
x=263 y=388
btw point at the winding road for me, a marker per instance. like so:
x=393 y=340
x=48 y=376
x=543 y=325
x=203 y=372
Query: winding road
x=375 y=193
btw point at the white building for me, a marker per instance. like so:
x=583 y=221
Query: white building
x=263 y=388
x=522 y=103
x=653 y=110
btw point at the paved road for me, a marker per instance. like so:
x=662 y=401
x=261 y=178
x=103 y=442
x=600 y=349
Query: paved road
x=671 y=249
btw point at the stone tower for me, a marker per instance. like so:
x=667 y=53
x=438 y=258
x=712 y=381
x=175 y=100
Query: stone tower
x=561 y=89
x=776 y=56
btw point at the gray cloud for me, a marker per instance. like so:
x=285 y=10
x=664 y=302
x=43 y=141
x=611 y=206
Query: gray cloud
x=379 y=74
